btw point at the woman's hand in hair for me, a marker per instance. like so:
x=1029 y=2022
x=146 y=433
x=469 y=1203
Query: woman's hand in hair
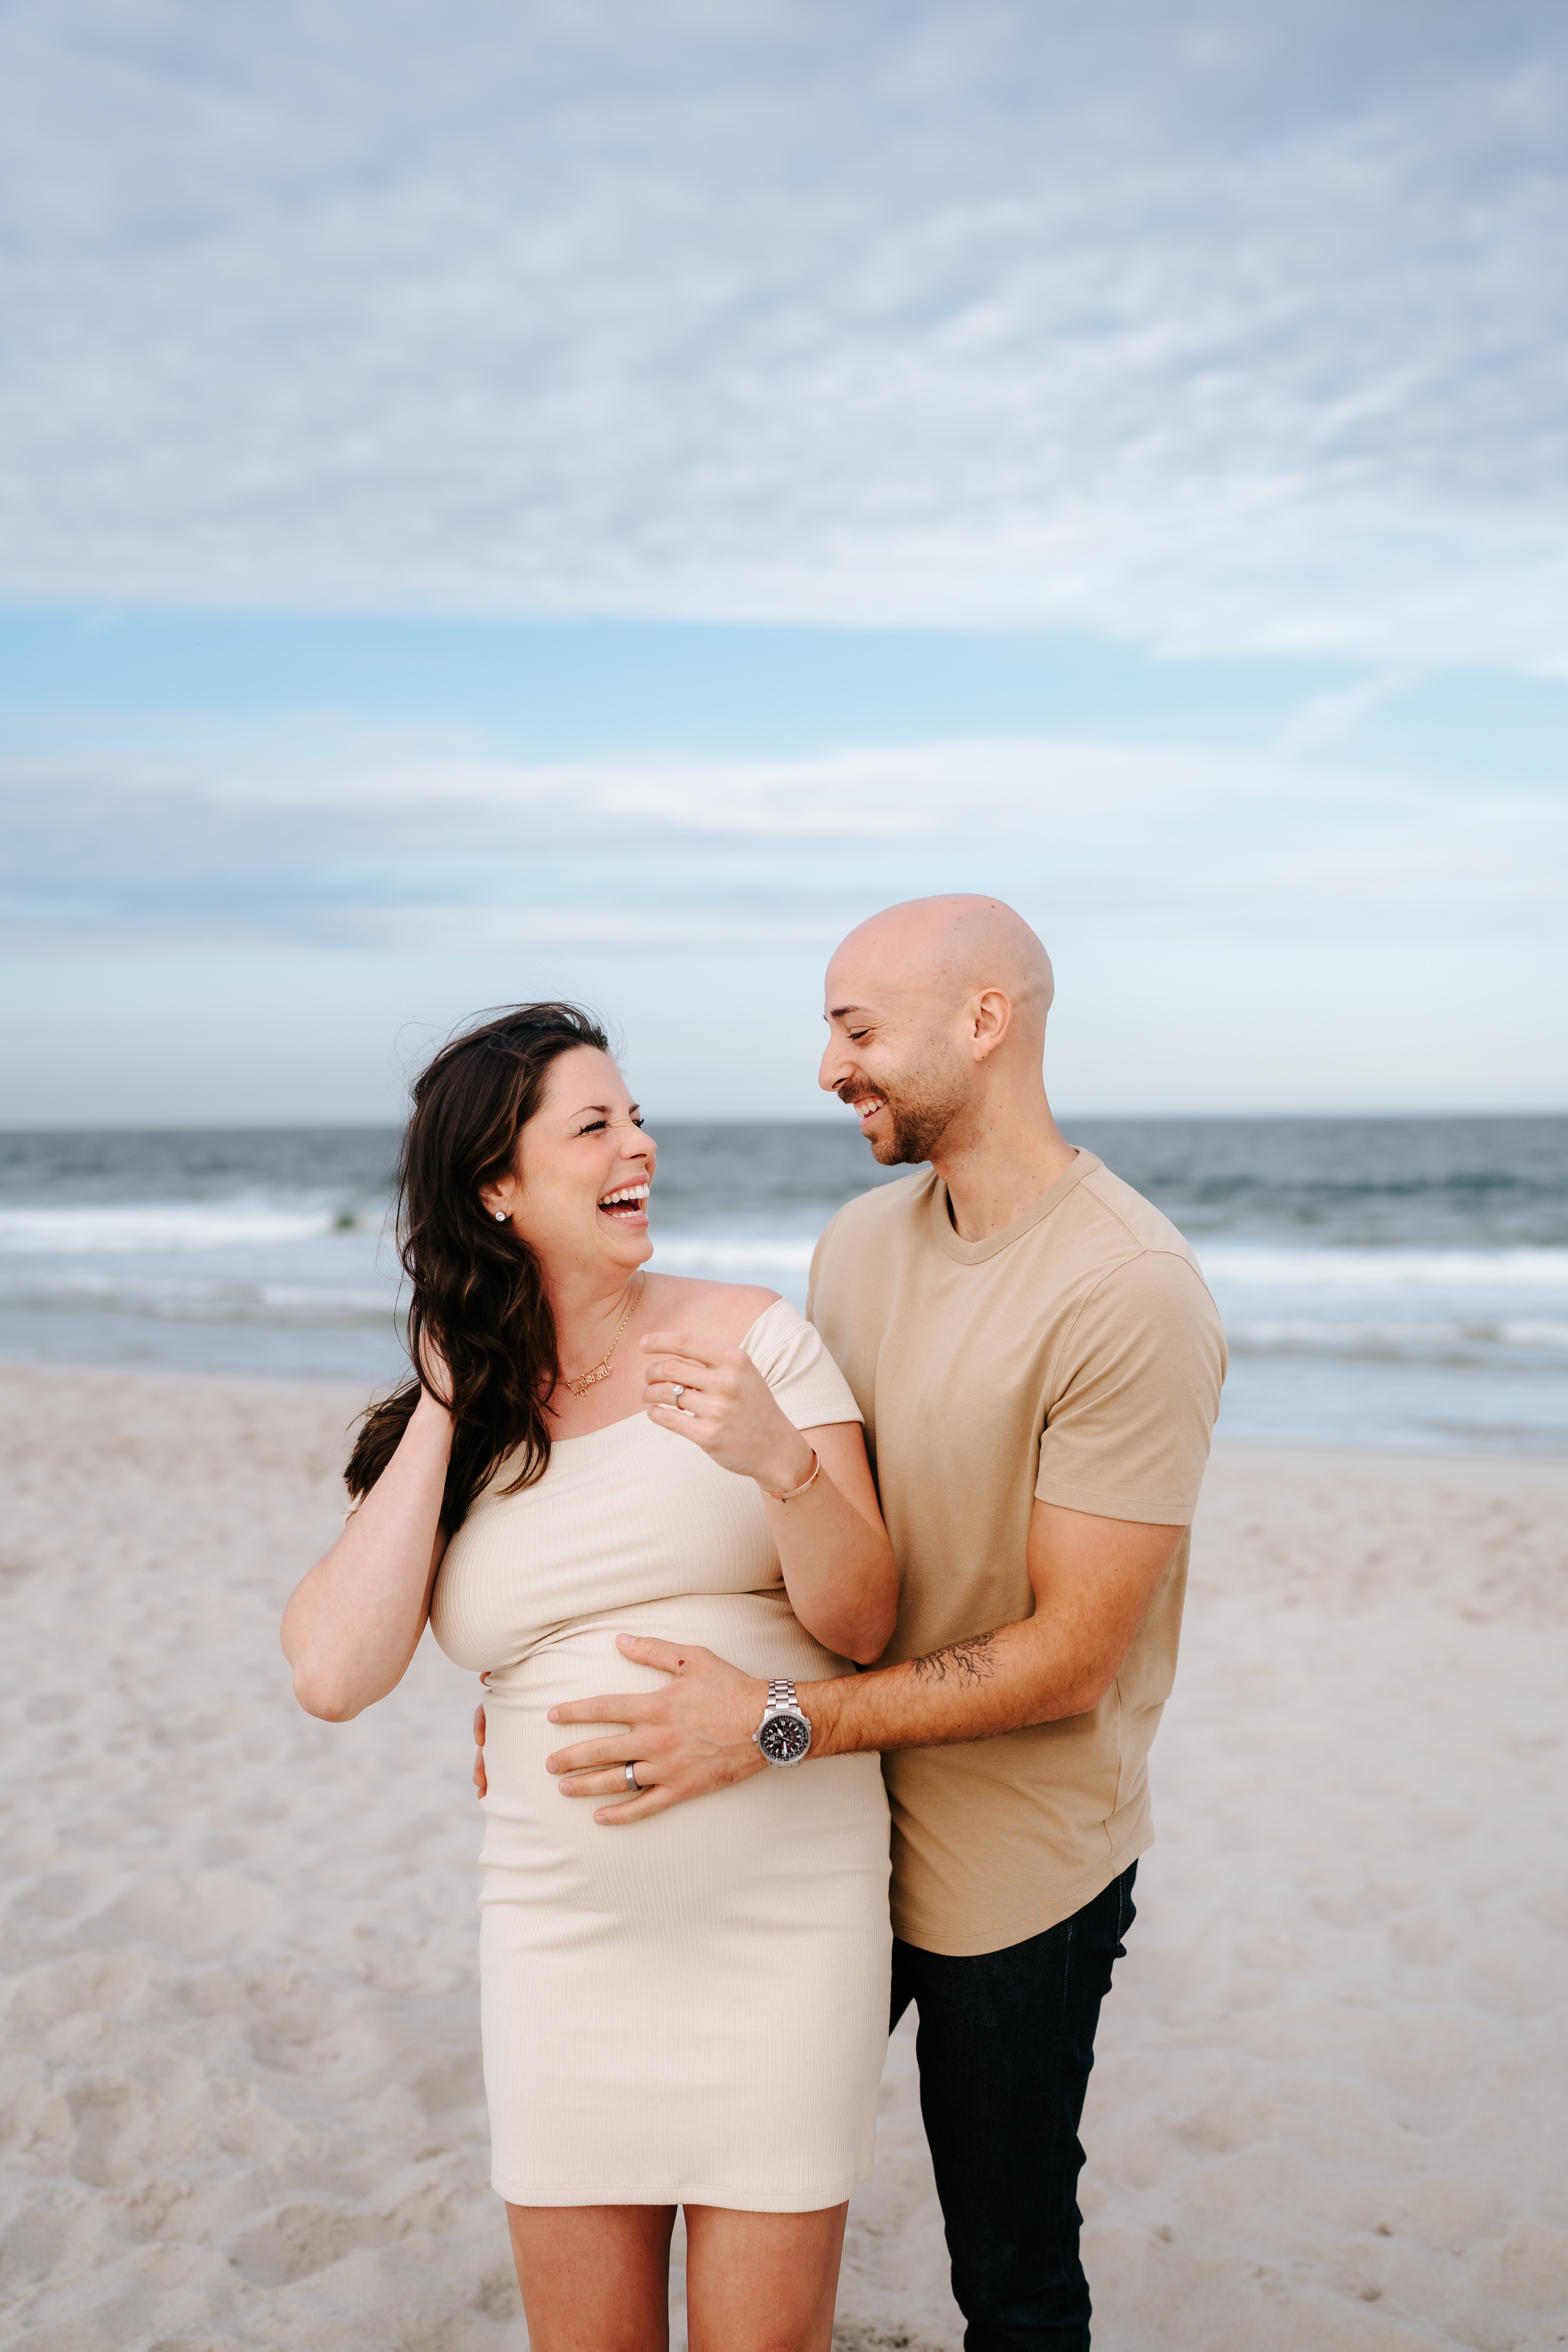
x=434 y=1375
x=724 y=1406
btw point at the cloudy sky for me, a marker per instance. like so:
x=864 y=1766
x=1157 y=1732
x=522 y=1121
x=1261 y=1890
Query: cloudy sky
x=499 y=501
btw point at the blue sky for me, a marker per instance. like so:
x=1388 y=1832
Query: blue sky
x=571 y=499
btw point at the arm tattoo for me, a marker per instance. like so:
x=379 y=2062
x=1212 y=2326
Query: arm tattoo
x=965 y=1661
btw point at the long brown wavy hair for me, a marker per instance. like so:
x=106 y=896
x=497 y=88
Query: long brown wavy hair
x=477 y=1294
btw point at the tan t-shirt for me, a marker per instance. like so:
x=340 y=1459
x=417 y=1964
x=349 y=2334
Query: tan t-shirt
x=1076 y=1355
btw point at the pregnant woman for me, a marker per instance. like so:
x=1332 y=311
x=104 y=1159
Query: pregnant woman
x=696 y=2016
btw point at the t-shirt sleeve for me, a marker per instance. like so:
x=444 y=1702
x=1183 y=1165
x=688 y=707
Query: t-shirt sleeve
x=794 y=1361
x=1134 y=1394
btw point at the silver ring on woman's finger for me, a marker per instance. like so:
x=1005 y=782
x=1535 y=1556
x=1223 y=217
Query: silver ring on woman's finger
x=680 y=1392
x=632 y=1776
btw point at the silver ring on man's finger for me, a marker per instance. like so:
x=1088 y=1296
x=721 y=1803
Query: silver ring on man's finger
x=680 y=1392
x=632 y=1777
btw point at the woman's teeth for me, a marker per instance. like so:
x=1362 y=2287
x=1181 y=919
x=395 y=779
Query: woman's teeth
x=627 y=1202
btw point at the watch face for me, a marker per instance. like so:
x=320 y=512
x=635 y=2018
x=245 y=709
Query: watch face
x=784 y=1738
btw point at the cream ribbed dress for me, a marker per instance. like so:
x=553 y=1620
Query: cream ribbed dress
x=693 y=2009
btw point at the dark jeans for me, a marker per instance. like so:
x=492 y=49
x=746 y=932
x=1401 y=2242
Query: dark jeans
x=1005 y=2045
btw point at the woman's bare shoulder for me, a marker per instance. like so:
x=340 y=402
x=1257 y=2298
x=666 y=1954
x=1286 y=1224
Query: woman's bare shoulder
x=724 y=1311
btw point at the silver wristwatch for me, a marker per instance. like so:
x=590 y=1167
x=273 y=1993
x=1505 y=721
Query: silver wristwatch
x=783 y=1734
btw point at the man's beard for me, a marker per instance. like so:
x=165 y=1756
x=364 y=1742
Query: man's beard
x=920 y=1122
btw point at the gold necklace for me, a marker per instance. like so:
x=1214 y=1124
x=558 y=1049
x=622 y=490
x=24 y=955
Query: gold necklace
x=585 y=1380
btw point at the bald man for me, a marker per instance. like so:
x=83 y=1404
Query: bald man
x=1038 y=1364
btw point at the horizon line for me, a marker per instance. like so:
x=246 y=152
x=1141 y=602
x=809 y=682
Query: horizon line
x=811 y=1119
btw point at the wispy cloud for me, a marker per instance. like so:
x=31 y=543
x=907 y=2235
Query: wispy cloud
x=1218 y=326
x=418 y=852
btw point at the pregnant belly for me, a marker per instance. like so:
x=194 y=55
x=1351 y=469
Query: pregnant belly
x=545 y=1851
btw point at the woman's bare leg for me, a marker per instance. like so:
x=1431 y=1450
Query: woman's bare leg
x=595 y=2278
x=761 y=2281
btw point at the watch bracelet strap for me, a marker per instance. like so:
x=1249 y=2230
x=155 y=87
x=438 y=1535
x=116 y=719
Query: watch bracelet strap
x=780 y=1696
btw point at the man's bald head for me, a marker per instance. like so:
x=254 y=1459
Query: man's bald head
x=934 y=1006
x=948 y=950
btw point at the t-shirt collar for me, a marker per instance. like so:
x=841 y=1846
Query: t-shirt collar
x=975 y=1253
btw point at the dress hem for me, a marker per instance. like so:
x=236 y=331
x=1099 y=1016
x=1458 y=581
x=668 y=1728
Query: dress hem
x=692 y=2192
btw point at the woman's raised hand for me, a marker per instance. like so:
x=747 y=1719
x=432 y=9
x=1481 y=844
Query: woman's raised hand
x=435 y=1377
x=716 y=1396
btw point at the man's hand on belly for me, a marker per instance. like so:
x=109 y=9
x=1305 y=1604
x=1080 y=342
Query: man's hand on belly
x=687 y=1739
x=1093 y=1578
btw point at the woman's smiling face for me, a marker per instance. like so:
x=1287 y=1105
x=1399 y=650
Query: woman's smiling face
x=581 y=1176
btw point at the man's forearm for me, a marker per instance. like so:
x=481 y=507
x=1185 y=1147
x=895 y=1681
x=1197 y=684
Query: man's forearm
x=1093 y=1578
x=989 y=1683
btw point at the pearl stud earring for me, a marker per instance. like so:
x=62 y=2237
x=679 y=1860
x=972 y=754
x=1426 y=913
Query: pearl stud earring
x=500 y=1216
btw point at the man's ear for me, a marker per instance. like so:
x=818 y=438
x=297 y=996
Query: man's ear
x=991 y=1019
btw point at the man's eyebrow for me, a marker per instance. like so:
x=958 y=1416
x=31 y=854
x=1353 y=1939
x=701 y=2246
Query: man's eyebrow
x=841 y=1011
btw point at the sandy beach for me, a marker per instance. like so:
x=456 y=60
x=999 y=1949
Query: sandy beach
x=241 y=2095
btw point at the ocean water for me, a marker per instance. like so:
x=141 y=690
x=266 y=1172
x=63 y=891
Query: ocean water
x=1400 y=1281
